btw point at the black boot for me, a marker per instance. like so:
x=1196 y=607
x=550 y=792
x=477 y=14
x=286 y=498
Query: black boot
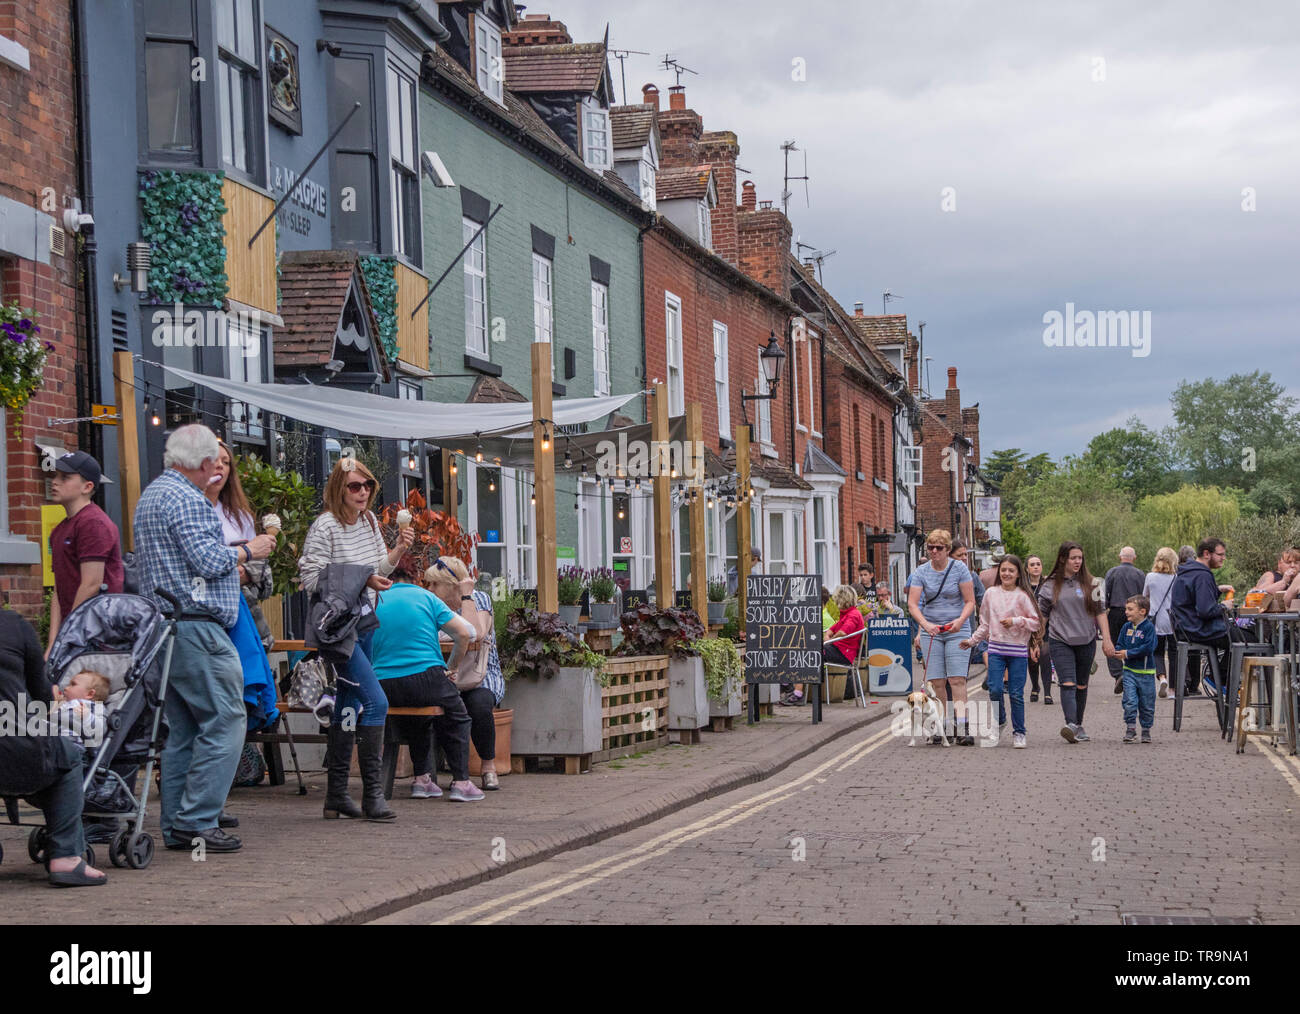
x=370 y=751
x=338 y=764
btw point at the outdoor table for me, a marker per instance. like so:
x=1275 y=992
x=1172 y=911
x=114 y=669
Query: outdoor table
x=1287 y=621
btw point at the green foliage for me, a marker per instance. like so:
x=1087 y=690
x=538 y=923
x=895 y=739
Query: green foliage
x=1223 y=428
x=600 y=584
x=381 y=282
x=569 y=585
x=1269 y=498
x=502 y=608
x=539 y=645
x=731 y=626
x=1254 y=544
x=180 y=216
x=722 y=665
x=1014 y=472
x=1140 y=460
x=651 y=631
x=1101 y=528
x=1184 y=518
x=717 y=589
x=43 y=621
x=272 y=491
x=1014 y=539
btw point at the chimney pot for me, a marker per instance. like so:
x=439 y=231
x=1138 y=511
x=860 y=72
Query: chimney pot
x=650 y=96
x=677 y=97
x=748 y=196
x=952 y=378
x=857 y=309
x=765 y=205
x=809 y=262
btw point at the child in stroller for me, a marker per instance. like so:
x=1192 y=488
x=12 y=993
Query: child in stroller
x=79 y=719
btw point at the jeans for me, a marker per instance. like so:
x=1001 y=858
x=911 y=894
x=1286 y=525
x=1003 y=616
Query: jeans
x=206 y=717
x=432 y=688
x=1139 y=698
x=1015 y=670
x=1073 y=666
x=481 y=703
x=61 y=804
x=358 y=687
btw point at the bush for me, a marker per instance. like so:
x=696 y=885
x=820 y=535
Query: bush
x=651 y=631
x=541 y=644
x=717 y=589
x=721 y=665
x=1255 y=543
x=272 y=491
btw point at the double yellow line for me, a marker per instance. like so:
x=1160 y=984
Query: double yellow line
x=509 y=905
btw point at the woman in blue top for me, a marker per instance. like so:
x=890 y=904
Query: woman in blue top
x=407 y=658
x=940 y=598
x=449 y=579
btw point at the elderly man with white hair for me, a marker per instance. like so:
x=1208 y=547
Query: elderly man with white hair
x=1122 y=583
x=182 y=551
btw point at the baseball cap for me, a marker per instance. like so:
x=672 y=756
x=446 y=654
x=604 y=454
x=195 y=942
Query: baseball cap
x=82 y=464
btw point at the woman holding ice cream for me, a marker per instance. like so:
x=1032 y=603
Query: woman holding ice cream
x=348 y=532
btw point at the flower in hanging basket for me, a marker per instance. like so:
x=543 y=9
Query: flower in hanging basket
x=22 y=361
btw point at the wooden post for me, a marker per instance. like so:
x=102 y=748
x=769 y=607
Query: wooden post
x=128 y=442
x=744 y=537
x=660 y=464
x=694 y=453
x=548 y=595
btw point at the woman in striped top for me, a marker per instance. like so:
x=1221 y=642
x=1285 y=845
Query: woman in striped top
x=349 y=533
x=1008 y=618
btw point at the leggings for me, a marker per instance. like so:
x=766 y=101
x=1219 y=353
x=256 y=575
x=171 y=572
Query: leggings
x=1043 y=664
x=481 y=703
x=1165 y=648
x=1073 y=666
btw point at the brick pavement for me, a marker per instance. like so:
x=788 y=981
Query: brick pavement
x=296 y=867
x=950 y=836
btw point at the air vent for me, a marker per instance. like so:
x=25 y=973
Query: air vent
x=58 y=241
x=119 y=330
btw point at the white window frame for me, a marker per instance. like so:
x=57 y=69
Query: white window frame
x=403 y=174
x=239 y=86
x=522 y=533
x=792 y=524
x=600 y=365
x=764 y=411
x=704 y=222
x=241 y=366
x=597 y=148
x=827 y=546
x=909 y=461
x=489 y=67
x=809 y=337
x=722 y=378
x=648 y=190
x=675 y=359
x=544 y=304
x=595 y=525
x=475 y=269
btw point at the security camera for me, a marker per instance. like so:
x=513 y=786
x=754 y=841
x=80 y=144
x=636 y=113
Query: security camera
x=432 y=167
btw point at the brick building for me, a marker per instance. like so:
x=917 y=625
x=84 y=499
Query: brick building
x=38 y=270
x=950 y=439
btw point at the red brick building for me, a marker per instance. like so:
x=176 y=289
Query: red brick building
x=38 y=268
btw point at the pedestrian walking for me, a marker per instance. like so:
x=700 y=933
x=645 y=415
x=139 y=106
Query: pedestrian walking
x=1135 y=649
x=1122 y=582
x=182 y=551
x=348 y=533
x=1039 y=663
x=1073 y=611
x=1008 y=620
x=1157 y=589
x=940 y=599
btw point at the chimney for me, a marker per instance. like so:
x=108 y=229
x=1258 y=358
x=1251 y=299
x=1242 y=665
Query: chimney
x=650 y=96
x=857 y=310
x=809 y=262
x=679 y=130
x=749 y=196
x=720 y=149
x=952 y=402
x=764 y=239
x=970 y=428
x=677 y=97
x=537 y=30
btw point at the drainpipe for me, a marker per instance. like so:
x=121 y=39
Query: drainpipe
x=92 y=435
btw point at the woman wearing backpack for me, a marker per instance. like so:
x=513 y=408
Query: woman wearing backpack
x=1070 y=601
x=1159 y=584
x=940 y=598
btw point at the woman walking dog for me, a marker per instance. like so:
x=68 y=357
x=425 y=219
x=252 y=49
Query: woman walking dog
x=940 y=598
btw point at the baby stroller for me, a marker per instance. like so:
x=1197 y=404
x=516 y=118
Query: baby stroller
x=123 y=637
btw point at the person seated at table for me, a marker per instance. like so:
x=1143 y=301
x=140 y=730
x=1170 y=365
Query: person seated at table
x=449 y=579
x=1280 y=580
x=408 y=661
x=828 y=618
x=1194 y=603
x=885 y=605
x=845 y=652
x=1289 y=597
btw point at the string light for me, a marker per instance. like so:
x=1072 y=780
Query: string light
x=492 y=485
x=478 y=455
x=532 y=500
x=410 y=461
x=621 y=513
x=546 y=438
x=155 y=419
x=568 y=459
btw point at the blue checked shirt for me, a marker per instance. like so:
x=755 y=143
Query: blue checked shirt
x=181 y=548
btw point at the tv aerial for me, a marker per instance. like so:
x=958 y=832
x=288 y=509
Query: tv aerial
x=788 y=147
x=669 y=63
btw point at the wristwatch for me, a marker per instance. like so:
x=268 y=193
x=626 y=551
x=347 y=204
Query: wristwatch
x=467 y=598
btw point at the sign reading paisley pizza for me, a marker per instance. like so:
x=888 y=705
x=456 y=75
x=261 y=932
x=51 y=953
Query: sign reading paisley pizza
x=783 y=628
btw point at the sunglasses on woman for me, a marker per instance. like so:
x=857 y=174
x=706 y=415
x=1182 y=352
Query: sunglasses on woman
x=357 y=487
x=935 y=549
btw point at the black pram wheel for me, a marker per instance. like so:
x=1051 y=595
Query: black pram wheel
x=2 y=853
x=139 y=850
x=37 y=843
x=90 y=855
x=117 y=848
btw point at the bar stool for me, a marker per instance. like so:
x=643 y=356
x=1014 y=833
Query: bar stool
x=1238 y=651
x=1182 y=648
x=1270 y=668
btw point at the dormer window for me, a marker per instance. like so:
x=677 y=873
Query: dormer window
x=488 y=65
x=705 y=225
x=597 y=152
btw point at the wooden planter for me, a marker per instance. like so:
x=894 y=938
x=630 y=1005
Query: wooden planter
x=504 y=718
x=634 y=706
x=559 y=717
x=688 y=700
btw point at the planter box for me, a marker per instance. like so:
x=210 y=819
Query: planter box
x=505 y=726
x=634 y=707
x=717 y=614
x=555 y=717
x=836 y=683
x=571 y=615
x=604 y=615
x=729 y=706
x=688 y=701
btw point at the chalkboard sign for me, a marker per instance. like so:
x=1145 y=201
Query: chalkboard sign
x=635 y=597
x=783 y=628
x=682 y=600
x=887 y=670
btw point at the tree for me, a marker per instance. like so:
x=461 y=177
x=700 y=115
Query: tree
x=1269 y=498
x=1222 y=428
x=1186 y=516
x=1000 y=464
x=1255 y=543
x=1136 y=456
x=1014 y=539
x=1013 y=472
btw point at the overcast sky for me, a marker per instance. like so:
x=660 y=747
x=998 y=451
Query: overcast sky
x=1118 y=194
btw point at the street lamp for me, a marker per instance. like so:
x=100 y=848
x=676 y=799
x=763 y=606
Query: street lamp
x=770 y=359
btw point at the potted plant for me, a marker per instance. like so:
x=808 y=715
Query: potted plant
x=717 y=601
x=600 y=589
x=723 y=675
x=22 y=361
x=284 y=494
x=554 y=686
x=675 y=633
x=570 y=585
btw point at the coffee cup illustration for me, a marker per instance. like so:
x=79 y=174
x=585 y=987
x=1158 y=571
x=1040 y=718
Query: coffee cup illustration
x=879 y=663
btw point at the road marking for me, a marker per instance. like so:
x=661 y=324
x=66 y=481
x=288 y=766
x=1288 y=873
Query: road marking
x=1277 y=763
x=702 y=825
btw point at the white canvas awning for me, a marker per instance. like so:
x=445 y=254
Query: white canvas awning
x=373 y=415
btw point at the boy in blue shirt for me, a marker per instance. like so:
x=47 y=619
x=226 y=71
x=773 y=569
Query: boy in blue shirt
x=1135 y=647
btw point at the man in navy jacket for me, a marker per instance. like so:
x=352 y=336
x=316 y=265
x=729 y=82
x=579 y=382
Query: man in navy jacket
x=1194 y=602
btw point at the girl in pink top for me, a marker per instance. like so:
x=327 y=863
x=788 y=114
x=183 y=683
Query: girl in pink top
x=1008 y=619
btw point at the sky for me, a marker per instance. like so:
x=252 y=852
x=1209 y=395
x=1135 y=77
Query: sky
x=1097 y=154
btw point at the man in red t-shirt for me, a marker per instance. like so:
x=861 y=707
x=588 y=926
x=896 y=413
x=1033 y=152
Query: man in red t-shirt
x=85 y=548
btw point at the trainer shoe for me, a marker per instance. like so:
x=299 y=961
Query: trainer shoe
x=1047 y=699
x=1208 y=687
x=1146 y=735
x=464 y=792
x=1018 y=741
x=425 y=787
x=1081 y=736
x=1130 y=735
x=1068 y=733
x=1164 y=687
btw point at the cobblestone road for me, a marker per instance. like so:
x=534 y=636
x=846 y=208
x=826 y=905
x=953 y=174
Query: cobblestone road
x=869 y=830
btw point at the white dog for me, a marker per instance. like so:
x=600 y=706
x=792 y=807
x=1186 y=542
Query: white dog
x=926 y=714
